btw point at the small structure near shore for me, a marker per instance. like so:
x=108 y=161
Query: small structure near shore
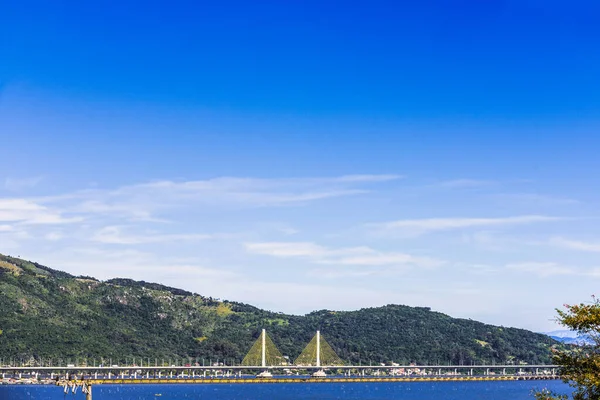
x=74 y=385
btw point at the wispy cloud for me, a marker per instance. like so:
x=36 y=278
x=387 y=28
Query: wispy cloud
x=18 y=184
x=464 y=183
x=421 y=226
x=366 y=178
x=548 y=269
x=259 y=192
x=543 y=269
x=6 y=228
x=135 y=264
x=100 y=203
x=144 y=200
x=489 y=240
x=115 y=235
x=26 y=211
x=288 y=231
x=535 y=199
x=576 y=245
x=54 y=236
x=287 y=249
x=359 y=256
x=102 y=213
x=236 y=184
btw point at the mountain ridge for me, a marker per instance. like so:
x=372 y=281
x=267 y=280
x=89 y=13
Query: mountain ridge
x=570 y=337
x=47 y=313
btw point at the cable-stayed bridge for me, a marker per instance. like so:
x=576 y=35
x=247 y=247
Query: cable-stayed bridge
x=264 y=357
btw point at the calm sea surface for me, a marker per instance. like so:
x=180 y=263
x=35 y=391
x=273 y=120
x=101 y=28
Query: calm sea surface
x=508 y=390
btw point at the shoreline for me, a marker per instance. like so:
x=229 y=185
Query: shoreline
x=223 y=381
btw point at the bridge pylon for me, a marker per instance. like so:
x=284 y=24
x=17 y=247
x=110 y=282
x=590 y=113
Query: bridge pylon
x=263 y=352
x=318 y=353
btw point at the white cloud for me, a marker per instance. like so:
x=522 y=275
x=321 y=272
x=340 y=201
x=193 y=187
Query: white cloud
x=364 y=256
x=420 y=226
x=26 y=211
x=576 y=245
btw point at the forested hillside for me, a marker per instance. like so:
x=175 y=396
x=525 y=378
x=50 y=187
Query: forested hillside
x=45 y=313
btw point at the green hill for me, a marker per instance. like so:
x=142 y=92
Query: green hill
x=45 y=313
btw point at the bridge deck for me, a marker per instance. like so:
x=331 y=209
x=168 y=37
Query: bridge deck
x=316 y=380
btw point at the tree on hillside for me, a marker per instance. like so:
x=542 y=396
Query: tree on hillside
x=580 y=365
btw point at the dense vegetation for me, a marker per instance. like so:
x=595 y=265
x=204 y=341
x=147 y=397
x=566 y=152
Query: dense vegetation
x=579 y=365
x=48 y=314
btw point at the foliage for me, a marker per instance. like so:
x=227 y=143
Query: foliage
x=49 y=314
x=580 y=365
x=546 y=394
x=154 y=286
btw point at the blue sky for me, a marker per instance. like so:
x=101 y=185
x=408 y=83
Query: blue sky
x=309 y=155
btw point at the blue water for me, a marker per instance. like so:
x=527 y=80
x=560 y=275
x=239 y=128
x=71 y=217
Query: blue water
x=515 y=390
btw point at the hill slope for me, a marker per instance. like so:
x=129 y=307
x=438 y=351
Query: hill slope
x=46 y=313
